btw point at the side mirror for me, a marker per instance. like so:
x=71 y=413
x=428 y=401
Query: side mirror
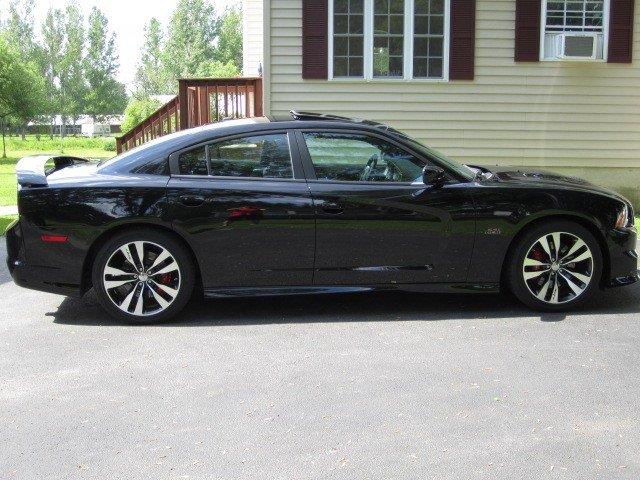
x=432 y=175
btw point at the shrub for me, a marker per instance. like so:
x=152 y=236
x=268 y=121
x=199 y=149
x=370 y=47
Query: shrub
x=110 y=144
x=137 y=111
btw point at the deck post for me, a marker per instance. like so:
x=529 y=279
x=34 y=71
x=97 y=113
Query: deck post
x=258 y=97
x=183 y=102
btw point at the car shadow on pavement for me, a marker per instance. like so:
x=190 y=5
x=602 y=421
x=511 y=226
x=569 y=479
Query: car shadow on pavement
x=362 y=307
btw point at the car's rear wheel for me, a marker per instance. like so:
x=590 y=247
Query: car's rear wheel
x=555 y=266
x=143 y=276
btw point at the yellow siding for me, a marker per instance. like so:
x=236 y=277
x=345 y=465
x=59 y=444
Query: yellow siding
x=575 y=117
x=251 y=37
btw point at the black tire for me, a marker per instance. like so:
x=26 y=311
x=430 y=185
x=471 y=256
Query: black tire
x=529 y=248
x=183 y=277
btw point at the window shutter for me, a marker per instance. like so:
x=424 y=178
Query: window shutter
x=528 y=30
x=314 y=39
x=462 y=37
x=620 y=31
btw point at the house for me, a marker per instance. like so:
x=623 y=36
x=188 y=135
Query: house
x=84 y=125
x=90 y=127
x=551 y=84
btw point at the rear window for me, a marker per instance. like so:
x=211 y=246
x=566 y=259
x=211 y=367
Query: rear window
x=265 y=156
x=262 y=156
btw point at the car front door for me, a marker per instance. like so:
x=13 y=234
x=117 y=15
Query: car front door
x=244 y=204
x=376 y=221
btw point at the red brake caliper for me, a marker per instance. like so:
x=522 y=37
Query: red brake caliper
x=537 y=254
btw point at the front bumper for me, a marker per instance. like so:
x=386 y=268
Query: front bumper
x=32 y=276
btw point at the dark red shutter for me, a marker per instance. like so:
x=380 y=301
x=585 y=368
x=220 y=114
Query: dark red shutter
x=314 y=39
x=528 y=30
x=620 y=31
x=462 y=39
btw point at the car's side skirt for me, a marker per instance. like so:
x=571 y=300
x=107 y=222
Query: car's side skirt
x=230 y=292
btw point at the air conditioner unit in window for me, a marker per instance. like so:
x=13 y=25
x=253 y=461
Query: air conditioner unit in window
x=573 y=46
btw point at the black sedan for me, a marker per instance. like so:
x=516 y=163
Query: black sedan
x=309 y=204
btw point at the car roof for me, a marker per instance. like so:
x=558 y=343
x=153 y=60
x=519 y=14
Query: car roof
x=167 y=144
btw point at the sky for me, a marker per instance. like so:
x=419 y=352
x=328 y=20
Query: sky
x=127 y=19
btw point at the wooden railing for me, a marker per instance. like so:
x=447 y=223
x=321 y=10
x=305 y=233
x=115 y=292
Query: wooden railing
x=199 y=101
x=161 y=122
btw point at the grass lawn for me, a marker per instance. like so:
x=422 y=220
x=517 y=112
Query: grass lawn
x=17 y=148
x=5 y=220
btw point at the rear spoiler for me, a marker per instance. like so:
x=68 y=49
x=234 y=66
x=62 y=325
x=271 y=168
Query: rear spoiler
x=33 y=171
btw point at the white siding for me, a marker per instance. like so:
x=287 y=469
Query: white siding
x=581 y=118
x=252 y=37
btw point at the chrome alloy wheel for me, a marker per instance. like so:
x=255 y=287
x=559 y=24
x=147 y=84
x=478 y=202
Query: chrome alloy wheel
x=142 y=278
x=558 y=267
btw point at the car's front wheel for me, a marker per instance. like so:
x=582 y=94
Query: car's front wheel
x=555 y=266
x=143 y=276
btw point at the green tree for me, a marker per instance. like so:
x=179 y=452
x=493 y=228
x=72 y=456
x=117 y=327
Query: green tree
x=72 y=81
x=191 y=41
x=137 y=110
x=105 y=95
x=19 y=28
x=216 y=69
x=19 y=32
x=230 y=38
x=21 y=88
x=52 y=49
x=151 y=77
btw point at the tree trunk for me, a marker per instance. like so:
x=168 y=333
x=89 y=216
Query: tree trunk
x=4 y=146
x=24 y=131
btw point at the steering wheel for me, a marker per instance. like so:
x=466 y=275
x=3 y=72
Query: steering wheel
x=371 y=165
x=392 y=172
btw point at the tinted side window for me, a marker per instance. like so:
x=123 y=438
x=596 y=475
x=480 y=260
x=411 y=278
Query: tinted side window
x=358 y=157
x=193 y=162
x=265 y=156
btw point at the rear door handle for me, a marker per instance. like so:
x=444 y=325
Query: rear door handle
x=191 y=200
x=332 y=208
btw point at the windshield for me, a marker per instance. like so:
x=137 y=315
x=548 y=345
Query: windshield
x=459 y=168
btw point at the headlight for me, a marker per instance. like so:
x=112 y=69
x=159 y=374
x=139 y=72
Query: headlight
x=625 y=218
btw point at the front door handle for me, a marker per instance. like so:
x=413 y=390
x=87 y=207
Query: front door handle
x=191 y=200
x=332 y=208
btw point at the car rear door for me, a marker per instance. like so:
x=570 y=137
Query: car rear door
x=244 y=205
x=376 y=222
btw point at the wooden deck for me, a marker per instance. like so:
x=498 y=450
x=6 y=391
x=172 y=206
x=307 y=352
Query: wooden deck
x=200 y=101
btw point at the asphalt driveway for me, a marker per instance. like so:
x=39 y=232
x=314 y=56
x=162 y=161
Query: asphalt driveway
x=380 y=386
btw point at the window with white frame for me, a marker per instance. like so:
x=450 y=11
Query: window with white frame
x=348 y=33
x=428 y=39
x=574 y=29
x=392 y=39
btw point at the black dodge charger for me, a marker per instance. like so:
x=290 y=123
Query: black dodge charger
x=309 y=204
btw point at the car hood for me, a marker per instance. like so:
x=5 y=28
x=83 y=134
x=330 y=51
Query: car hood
x=543 y=179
